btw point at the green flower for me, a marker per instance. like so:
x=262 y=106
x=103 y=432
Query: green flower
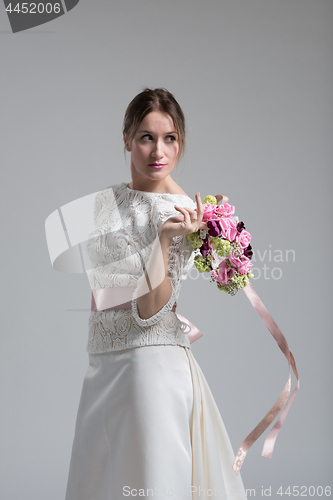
x=201 y=264
x=224 y=288
x=250 y=275
x=223 y=247
x=195 y=240
x=236 y=283
x=210 y=199
x=240 y=280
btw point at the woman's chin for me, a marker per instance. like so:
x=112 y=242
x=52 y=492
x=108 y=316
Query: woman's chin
x=151 y=175
x=159 y=174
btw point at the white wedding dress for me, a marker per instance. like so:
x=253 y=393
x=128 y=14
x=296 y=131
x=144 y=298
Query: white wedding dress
x=147 y=423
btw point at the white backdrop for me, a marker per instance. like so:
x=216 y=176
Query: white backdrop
x=254 y=79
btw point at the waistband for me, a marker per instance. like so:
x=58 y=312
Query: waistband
x=121 y=298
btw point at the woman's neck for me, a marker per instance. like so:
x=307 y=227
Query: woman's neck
x=166 y=185
x=150 y=186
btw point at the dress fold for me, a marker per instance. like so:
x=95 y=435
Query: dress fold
x=212 y=453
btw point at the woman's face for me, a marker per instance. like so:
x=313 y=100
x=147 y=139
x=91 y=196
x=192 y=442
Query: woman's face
x=154 y=148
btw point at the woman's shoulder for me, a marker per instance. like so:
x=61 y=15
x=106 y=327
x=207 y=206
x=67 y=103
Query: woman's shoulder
x=178 y=191
x=175 y=189
x=165 y=203
x=174 y=194
x=116 y=187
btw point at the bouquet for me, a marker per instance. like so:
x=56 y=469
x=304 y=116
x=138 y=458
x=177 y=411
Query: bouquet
x=223 y=249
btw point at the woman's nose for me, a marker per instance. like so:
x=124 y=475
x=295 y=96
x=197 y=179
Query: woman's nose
x=158 y=150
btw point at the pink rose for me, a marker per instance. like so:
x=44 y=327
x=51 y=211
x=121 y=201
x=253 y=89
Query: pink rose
x=224 y=273
x=225 y=210
x=228 y=228
x=209 y=212
x=243 y=238
x=245 y=267
x=242 y=264
x=235 y=261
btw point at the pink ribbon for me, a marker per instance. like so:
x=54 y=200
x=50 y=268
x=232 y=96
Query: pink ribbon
x=121 y=298
x=282 y=399
x=112 y=298
x=195 y=333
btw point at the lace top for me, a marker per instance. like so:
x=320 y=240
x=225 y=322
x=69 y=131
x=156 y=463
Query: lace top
x=126 y=224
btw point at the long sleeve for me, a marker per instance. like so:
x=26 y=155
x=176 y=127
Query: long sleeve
x=180 y=261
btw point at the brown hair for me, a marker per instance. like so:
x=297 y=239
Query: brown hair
x=149 y=100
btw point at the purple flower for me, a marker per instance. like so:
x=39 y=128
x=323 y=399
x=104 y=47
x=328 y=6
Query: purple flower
x=240 y=227
x=205 y=248
x=213 y=228
x=248 y=252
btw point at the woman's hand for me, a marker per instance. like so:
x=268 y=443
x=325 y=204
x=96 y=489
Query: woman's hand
x=157 y=277
x=189 y=222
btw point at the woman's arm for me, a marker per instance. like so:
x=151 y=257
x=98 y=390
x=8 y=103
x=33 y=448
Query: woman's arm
x=157 y=280
x=155 y=290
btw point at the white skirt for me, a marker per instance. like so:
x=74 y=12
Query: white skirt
x=148 y=427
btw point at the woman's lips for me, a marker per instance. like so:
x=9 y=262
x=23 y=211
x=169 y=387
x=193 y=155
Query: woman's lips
x=157 y=165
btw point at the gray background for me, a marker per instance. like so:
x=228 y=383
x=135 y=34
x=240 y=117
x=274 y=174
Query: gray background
x=254 y=79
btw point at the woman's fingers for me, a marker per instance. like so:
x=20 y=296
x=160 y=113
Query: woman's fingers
x=199 y=205
x=189 y=221
x=187 y=212
x=184 y=209
x=192 y=217
x=200 y=211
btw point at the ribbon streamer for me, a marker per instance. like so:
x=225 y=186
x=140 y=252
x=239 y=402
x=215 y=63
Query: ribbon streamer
x=282 y=399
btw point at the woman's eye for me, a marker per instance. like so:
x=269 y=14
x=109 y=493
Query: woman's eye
x=172 y=137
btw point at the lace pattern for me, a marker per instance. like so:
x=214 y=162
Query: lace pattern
x=127 y=222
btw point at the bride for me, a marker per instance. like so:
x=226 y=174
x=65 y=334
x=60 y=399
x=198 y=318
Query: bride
x=147 y=423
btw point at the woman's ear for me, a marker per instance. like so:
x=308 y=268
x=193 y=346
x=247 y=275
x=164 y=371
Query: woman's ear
x=128 y=148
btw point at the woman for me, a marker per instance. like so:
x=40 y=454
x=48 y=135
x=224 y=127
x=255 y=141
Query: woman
x=147 y=424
